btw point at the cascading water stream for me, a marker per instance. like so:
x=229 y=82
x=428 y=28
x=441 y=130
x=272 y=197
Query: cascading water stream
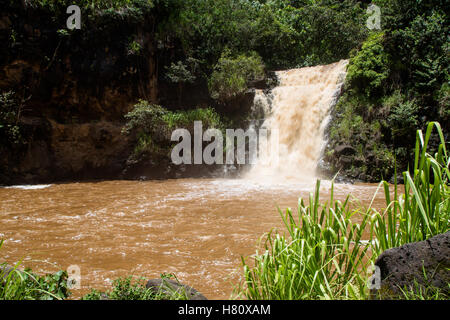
x=298 y=111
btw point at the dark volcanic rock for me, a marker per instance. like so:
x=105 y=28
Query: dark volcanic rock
x=345 y=149
x=169 y=287
x=403 y=266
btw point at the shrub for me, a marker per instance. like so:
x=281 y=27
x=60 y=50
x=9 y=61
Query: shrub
x=153 y=119
x=145 y=117
x=443 y=96
x=369 y=68
x=403 y=115
x=93 y=4
x=231 y=76
x=208 y=117
x=152 y=125
x=180 y=72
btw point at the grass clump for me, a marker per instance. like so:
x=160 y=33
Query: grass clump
x=321 y=258
x=423 y=210
x=420 y=292
x=123 y=289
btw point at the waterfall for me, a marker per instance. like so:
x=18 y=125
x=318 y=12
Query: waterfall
x=298 y=110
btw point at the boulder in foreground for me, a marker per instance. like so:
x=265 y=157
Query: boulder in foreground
x=424 y=264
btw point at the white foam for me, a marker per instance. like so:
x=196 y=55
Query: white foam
x=29 y=186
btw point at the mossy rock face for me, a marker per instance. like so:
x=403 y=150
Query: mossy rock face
x=424 y=264
x=357 y=147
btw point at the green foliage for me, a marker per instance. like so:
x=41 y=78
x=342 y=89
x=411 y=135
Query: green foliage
x=93 y=4
x=125 y=289
x=421 y=292
x=95 y=11
x=423 y=210
x=360 y=123
x=144 y=117
x=399 y=79
x=403 y=115
x=25 y=285
x=144 y=144
x=182 y=73
x=398 y=14
x=443 y=96
x=153 y=119
x=94 y=294
x=185 y=119
x=284 y=33
x=370 y=67
x=422 y=50
x=204 y=28
x=134 y=289
x=328 y=30
x=232 y=75
x=10 y=131
x=134 y=48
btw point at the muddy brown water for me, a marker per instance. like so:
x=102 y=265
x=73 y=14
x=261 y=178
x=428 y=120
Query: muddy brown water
x=197 y=229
